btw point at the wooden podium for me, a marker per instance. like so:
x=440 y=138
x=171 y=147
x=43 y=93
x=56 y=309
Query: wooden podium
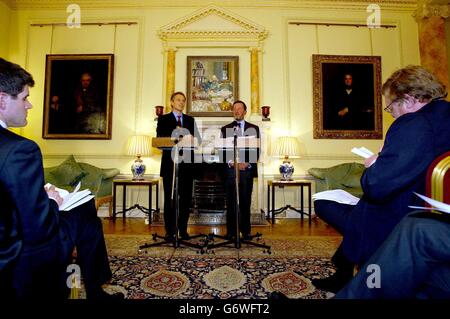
x=165 y=143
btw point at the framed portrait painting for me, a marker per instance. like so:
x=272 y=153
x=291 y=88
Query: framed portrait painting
x=78 y=96
x=347 y=97
x=212 y=85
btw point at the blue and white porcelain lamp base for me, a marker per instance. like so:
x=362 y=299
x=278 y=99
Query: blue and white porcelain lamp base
x=138 y=169
x=286 y=170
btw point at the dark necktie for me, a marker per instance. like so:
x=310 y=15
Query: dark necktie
x=179 y=121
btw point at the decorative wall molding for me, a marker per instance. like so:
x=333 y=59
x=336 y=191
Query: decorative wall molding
x=95 y=4
x=306 y=157
x=428 y=10
x=212 y=24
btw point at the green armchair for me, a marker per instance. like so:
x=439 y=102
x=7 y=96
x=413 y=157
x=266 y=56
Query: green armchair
x=343 y=176
x=97 y=180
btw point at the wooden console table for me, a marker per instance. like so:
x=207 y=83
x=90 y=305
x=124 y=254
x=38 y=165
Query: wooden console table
x=272 y=212
x=130 y=182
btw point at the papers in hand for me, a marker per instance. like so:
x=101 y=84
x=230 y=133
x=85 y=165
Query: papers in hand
x=73 y=199
x=436 y=205
x=362 y=151
x=337 y=195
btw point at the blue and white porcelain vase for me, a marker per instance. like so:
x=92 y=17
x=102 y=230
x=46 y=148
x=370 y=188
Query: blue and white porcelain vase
x=286 y=170
x=138 y=169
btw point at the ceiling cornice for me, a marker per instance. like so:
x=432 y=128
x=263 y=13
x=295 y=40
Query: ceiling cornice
x=98 y=4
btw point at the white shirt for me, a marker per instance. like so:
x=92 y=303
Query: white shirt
x=178 y=115
x=241 y=133
x=241 y=127
x=3 y=124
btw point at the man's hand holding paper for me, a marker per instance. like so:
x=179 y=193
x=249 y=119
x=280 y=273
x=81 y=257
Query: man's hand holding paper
x=53 y=194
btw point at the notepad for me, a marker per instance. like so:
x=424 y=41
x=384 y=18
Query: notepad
x=337 y=195
x=435 y=205
x=72 y=199
x=362 y=151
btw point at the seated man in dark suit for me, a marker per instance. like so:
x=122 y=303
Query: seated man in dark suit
x=36 y=239
x=413 y=262
x=420 y=133
x=173 y=124
x=247 y=171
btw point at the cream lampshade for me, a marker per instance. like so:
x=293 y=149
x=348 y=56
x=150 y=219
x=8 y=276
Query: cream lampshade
x=138 y=145
x=286 y=147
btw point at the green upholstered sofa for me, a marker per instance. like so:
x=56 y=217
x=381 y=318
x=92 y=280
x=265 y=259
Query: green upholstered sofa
x=98 y=180
x=343 y=176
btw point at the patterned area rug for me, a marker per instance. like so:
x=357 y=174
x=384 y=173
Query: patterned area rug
x=144 y=277
x=246 y=273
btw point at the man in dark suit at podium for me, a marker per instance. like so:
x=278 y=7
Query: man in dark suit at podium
x=247 y=171
x=177 y=124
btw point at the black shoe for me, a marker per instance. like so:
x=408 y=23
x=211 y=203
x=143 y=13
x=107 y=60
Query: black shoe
x=276 y=295
x=333 y=283
x=169 y=237
x=184 y=236
x=230 y=236
x=247 y=237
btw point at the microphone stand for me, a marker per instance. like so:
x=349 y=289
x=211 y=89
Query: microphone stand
x=175 y=198
x=238 y=240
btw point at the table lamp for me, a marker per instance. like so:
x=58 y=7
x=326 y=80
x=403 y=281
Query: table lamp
x=286 y=147
x=138 y=145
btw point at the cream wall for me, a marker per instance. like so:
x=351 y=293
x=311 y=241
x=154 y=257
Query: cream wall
x=5 y=13
x=286 y=74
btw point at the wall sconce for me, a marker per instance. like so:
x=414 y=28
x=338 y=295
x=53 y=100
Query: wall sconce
x=159 y=110
x=265 y=113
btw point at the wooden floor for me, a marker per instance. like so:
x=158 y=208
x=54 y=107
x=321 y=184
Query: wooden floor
x=283 y=227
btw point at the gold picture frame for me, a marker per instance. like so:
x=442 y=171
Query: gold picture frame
x=212 y=85
x=78 y=96
x=347 y=97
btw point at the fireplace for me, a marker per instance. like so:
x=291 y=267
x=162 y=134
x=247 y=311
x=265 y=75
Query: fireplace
x=210 y=178
x=209 y=203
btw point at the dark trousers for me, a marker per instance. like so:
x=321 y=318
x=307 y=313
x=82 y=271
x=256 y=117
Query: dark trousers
x=41 y=270
x=414 y=261
x=336 y=215
x=86 y=232
x=245 y=200
x=185 y=180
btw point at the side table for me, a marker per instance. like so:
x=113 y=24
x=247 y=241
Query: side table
x=271 y=211
x=130 y=182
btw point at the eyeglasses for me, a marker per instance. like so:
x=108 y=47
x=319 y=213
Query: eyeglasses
x=389 y=107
